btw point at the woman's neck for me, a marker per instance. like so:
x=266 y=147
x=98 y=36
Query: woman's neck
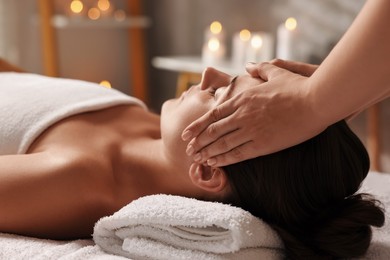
x=146 y=169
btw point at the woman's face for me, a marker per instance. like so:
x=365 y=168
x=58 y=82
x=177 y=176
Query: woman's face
x=176 y=114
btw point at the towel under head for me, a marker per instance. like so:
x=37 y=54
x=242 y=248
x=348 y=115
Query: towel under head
x=174 y=227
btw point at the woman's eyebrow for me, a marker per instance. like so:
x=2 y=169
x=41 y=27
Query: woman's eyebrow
x=231 y=87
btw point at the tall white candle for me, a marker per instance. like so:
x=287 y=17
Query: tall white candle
x=240 y=45
x=255 y=48
x=213 y=52
x=287 y=37
x=261 y=47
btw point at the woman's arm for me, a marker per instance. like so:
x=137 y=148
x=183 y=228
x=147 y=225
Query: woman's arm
x=48 y=196
x=291 y=108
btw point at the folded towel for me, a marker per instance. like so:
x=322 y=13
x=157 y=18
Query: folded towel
x=174 y=227
x=30 y=103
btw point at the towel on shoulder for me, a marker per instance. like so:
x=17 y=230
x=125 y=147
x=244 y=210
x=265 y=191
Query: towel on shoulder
x=174 y=227
x=30 y=103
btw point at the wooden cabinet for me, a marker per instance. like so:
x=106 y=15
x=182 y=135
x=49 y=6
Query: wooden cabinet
x=135 y=23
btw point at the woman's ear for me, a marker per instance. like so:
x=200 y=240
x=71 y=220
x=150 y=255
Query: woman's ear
x=208 y=178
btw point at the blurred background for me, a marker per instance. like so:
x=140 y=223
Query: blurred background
x=146 y=48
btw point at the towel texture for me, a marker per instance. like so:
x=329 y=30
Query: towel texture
x=378 y=184
x=30 y=103
x=174 y=227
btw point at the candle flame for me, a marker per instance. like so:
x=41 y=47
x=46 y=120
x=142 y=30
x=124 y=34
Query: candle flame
x=245 y=35
x=76 y=6
x=94 y=13
x=216 y=27
x=291 y=24
x=256 y=41
x=105 y=83
x=213 y=44
x=104 y=5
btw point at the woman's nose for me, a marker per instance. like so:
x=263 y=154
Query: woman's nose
x=214 y=78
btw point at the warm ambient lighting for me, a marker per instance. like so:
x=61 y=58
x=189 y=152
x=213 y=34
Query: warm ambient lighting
x=291 y=24
x=105 y=83
x=216 y=27
x=256 y=42
x=120 y=15
x=76 y=6
x=213 y=44
x=245 y=35
x=104 y=5
x=94 y=13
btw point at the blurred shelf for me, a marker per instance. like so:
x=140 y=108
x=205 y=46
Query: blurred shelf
x=62 y=21
x=190 y=69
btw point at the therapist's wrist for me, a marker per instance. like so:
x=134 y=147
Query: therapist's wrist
x=318 y=109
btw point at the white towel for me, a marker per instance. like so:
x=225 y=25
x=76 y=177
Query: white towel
x=174 y=227
x=30 y=103
x=378 y=184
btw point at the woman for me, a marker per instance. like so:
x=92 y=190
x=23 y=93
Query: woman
x=354 y=76
x=91 y=164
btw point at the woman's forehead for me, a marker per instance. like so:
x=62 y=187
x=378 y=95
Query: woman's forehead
x=243 y=82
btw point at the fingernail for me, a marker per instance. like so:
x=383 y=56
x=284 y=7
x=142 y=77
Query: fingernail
x=190 y=150
x=211 y=161
x=197 y=157
x=250 y=63
x=186 y=135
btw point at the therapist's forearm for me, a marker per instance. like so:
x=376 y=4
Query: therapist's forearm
x=357 y=71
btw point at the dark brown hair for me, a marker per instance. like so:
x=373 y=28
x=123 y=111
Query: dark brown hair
x=307 y=193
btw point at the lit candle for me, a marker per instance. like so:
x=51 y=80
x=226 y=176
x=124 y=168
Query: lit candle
x=213 y=50
x=287 y=36
x=215 y=31
x=260 y=48
x=94 y=13
x=239 y=47
x=105 y=8
x=76 y=8
x=105 y=83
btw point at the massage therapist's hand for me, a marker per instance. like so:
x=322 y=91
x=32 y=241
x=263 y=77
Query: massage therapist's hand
x=258 y=121
x=304 y=69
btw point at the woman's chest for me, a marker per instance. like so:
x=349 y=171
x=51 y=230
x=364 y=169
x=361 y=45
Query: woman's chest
x=103 y=131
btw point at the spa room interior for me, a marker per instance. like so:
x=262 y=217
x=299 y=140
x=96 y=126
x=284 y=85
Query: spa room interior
x=155 y=50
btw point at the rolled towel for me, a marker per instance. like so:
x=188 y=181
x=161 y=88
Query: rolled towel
x=174 y=227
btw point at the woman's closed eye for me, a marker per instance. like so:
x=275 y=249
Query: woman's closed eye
x=219 y=92
x=216 y=92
